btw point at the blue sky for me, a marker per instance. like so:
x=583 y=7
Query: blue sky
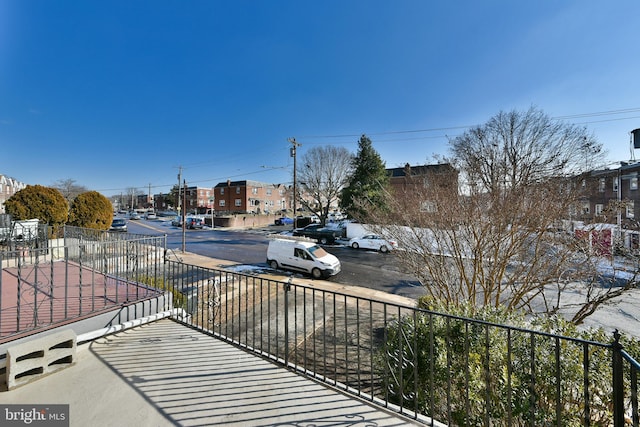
x=121 y=94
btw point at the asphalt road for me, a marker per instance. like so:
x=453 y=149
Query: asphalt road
x=363 y=268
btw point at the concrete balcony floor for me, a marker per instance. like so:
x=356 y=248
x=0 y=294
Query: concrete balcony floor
x=164 y=373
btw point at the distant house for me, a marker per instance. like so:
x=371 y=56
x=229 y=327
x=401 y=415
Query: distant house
x=412 y=181
x=8 y=187
x=196 y=199
x=236 y=197
x=610 y=196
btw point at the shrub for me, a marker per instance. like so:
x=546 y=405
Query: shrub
x=91 y=210
x=482 y=372
x=36 y=201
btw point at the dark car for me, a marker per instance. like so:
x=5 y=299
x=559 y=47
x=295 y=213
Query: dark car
x=193 y=223
x=118 y=224
x=318 y=232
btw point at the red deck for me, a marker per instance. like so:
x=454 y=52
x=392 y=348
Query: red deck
x=50 y=293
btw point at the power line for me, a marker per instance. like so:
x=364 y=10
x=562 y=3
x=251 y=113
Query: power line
x=440 y=129
x=401 y=132
x=602 y=113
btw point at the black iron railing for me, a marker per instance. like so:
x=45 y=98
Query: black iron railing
x=429 y=366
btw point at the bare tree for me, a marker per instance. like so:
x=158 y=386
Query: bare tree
x=69 y=189
x=324 y=173
x=494 y=237
x=132 y=194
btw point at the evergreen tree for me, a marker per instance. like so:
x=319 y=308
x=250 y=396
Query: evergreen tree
x=36 y=201
x=367 y=184
x=91 y=210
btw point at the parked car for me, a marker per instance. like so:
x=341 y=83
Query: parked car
x=322 y=234
x=285 y=220
x=373 y=241
x=150 y=215
x=118 y=224
x=194 y=222
x=335 y=217
x=191 y=223
x=134 y=215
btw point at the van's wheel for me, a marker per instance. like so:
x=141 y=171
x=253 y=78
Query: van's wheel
x=355 y=245
x=274 y=264
x=384 y=249
x=316 y=273
x=323 y=240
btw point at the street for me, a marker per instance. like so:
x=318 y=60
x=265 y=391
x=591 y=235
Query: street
x=365 y=268
x=369 y=269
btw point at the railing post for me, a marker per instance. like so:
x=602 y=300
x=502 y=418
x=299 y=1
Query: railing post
x=287 y=288
x=618 y=381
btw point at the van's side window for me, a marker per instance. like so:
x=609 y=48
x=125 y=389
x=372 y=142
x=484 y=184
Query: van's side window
x=299 y=253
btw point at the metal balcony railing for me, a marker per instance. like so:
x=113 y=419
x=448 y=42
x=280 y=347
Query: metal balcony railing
x=429 y=366
x=83 y=273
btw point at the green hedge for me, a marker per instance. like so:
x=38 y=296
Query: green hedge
x=485 y=373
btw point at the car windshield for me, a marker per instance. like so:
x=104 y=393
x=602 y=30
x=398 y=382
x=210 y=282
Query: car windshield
x=317 y=252
x=118 y=222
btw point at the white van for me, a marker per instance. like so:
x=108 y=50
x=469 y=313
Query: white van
x=302 y=255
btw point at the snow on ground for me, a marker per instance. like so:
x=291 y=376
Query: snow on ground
x=621 y=313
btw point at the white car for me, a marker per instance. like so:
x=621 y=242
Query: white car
x=373 y=241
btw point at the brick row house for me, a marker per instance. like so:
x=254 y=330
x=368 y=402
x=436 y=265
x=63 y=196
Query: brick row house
x=236 y=197
x=231 y=197
x=409 y=180
x=611 y=198
x=196 y=199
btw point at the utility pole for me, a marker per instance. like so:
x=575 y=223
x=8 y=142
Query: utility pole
x=294 y=146
x=179 y=189
x=184 y=219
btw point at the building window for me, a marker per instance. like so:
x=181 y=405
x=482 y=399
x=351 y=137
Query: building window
x=599 y=209
x=585 y=208
x=237 y=190
x=268 y=191
x=222 y=191
x=634 y=183
x=615 y=184
x=254 y=190
x=221 y=202
x=601 y=185
x=238 y=202
x=630 y=209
